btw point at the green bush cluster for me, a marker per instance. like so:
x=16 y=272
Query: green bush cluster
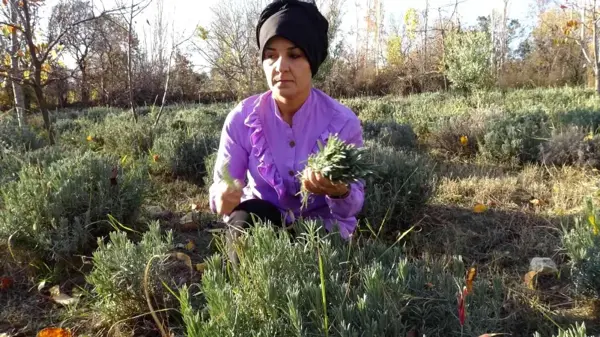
x=515 y=138
x=572 y=146
x=399 y=136
x=398 y=190
x=182 y=154
x=579 y=330
x=56 y=210
x=582 y=244
x=316 y=285
x=119 y=135
x=17 y=138
x=117 y=277
x=457 y=135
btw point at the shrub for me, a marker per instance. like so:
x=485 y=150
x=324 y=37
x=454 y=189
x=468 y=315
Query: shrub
x=57 y=210
x=12 y=162
x=401 y=185
x=458 y=135
x=467 y=60
x=515 y=138
x=118 y=271
x=280 y=286
x=572 y=146
x=582 y=244
x=578 y=330
x=18 y=138
x=391 y=134
x=182 y=154
x=121 y=136
x=209 y=165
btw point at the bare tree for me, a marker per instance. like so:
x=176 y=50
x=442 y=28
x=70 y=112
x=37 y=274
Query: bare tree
x=14 y=64
x=228 y=45
x=128 y=17
x=39 y=54
x=80 y=40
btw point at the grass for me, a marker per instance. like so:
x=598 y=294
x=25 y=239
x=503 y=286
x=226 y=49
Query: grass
x=528 y=204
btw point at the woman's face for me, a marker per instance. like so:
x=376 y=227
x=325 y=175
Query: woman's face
x=287 y=69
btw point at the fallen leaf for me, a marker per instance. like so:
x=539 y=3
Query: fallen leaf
x=480 y=208
x=470 y=278
x=185 y=258
x=428 y=285
x=200 y=267
x=535 y=202
x=464 y=140
x=5 y=283
x=190 y=245
x=61 y=298
x=54 y=332
x=529 y=279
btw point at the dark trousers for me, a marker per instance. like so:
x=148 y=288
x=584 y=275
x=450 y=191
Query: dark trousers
x=242 y=217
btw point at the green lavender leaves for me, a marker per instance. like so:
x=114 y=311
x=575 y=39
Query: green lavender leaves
x=339 y=162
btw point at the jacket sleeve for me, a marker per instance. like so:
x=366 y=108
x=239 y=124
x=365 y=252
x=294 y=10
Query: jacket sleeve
x=347 y=207
x=230 y=150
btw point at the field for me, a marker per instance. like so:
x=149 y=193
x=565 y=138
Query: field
x=108 y=232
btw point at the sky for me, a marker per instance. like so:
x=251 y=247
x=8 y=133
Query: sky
x=188 y=14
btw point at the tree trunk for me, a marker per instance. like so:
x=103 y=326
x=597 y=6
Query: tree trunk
x=85 y=92
x=597 y=78
x=130 y=65
x=16 y=86
x=39 y=95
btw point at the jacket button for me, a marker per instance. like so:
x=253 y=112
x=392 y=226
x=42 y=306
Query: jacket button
x=291 y=173
x=292 y=143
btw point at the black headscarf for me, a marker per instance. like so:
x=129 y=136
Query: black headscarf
x=298 y=21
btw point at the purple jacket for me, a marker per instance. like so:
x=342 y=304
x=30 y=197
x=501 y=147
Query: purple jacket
x=267 y=153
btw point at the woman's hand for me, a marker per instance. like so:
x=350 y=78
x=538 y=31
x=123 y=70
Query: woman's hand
x=317 y=184
x=227 y=197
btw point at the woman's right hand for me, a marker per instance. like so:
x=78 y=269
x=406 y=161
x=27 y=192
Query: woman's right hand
x=227 y=197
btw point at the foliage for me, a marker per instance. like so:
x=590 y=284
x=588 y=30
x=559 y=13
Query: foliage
x=467 y=60
x=458 y=135
x=57 y=210
x=578 y=330
x=400 y=187
x=119 y=135
x=18 y=138
x=515 y=138
x=117 y=277
x=392 y=134
x=12 y=162
x=339 y=162
x=571 y=147
x=181 y=154
x=582 y=244
x=280 y=285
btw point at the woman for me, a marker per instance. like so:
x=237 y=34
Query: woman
x=267 y=138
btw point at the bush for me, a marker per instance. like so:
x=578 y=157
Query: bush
x=182 y=154
x=578 y=330
x=278 y=286
x=391 y=134
x=209 y=165
x=12 y=162
x=458 y=135
x=467 y=60
x=571 y=147
x=582 y=244
x=515 y=138
x=119 y=135
x=58 y=209
x=118 y=271
x=401 y=186
x=16 y=138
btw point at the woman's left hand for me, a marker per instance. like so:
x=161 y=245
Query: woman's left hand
x=317 y=184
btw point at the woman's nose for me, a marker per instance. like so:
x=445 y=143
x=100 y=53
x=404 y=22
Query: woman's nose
x=282 y=64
